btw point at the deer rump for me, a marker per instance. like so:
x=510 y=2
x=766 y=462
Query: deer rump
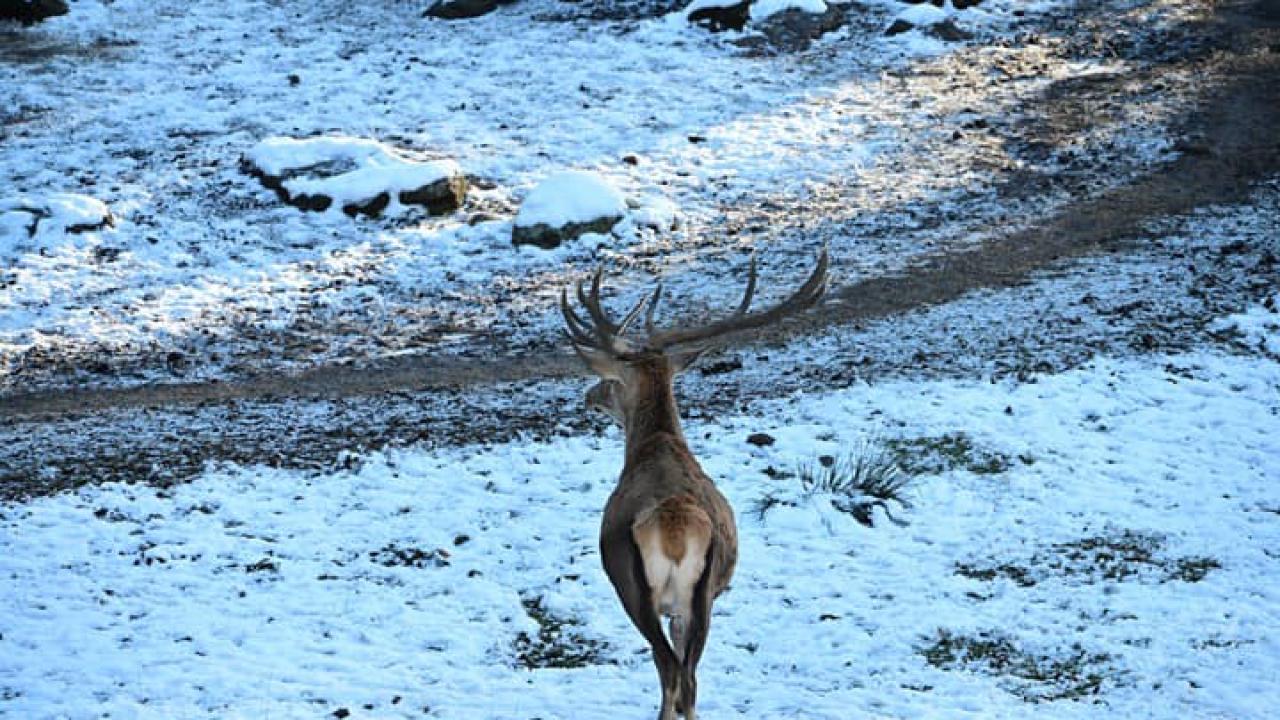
x=673 y=538
x=670 y=542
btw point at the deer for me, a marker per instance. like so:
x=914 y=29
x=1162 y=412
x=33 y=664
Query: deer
x=668 y=540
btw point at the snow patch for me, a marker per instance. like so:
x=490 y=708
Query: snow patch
x=924 y=14
x=1259 y=325
x=573 y=196
x=54 y=214
x=261 y=592
x=762 y=9
x=368 y=168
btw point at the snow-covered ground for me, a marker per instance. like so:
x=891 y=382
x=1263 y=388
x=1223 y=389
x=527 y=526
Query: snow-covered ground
x=149 y=106
x=1110 y=533
x=1090 y=528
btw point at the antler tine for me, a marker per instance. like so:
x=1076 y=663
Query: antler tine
x=592 y=303
x=653 y=306
x=751 y=287
x=805 y=296
x=579 y=331
x=632 y=314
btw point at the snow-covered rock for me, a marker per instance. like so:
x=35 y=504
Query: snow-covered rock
x=792 y=25
x=655 y=212
x=357 y=175
x=26 y=216
x=565 y=206
x=783 y=24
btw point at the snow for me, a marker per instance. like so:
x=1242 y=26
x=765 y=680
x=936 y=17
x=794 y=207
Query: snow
x=399 y=585
x=1259 y=326
x=572 y=196
x=925 y=14
x=149 y=106
x=763 y=9
x=261 y=592
x=376 y=168
x=48 y=216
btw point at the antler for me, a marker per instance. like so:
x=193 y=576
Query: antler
x=808 y=294
x=603 y=334
x=600 y=333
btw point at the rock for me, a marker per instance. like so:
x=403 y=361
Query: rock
x=898 y=27
x=718 y=18
x=29 y=12
x=794 y=30
x=949 y=31
x=549 y=237
x=957 y=4
x=362 y=176
x=461 y=9
x=761 y=439
x=566 y=206
x=56 y=213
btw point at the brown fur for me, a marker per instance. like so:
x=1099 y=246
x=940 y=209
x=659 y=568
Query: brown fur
x=678 y=519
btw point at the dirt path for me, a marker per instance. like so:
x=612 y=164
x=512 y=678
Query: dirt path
x=1236 y=143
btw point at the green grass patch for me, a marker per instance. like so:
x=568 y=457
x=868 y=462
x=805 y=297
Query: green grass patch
x=1114 y=556
x=932 y=455
x=1071 y=674
x=558 y=642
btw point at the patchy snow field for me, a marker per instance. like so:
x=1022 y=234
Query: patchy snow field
x=150 y=105
x=1099 y=542
x=1090 y=526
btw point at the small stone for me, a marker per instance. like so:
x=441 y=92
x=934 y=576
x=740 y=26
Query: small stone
x=948 y=31
x=718 y=19
x=761 y=439
x=898 y=27
x=460 y=9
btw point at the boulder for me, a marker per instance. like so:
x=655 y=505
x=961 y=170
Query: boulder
x=719 y=15
x=566 y=206
x=461 y=9
x=56 y=213
x=898 y=26
x=794 y=29
x=360 y=176
x=957 y=4
x=29 y=12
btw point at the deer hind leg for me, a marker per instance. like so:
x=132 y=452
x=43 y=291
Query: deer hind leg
x=673 y=539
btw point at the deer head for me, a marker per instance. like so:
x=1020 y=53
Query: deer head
x=632 y=370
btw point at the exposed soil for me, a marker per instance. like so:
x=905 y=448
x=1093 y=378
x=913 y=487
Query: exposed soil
x=60 y=439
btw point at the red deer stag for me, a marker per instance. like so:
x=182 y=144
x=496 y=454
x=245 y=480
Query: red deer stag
x=668 y=539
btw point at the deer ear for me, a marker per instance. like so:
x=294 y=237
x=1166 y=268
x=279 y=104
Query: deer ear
x=684 y=358
x=602 y=364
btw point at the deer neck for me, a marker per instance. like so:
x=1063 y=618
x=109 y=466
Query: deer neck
x=653 y=414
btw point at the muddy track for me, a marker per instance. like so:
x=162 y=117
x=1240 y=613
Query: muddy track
x=1237 y=144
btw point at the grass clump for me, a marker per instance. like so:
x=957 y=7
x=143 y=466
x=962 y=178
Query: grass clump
x=932 y=455
x=1111 y=556
x=858 y=483
x=1074 y=674
x=557 y=644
